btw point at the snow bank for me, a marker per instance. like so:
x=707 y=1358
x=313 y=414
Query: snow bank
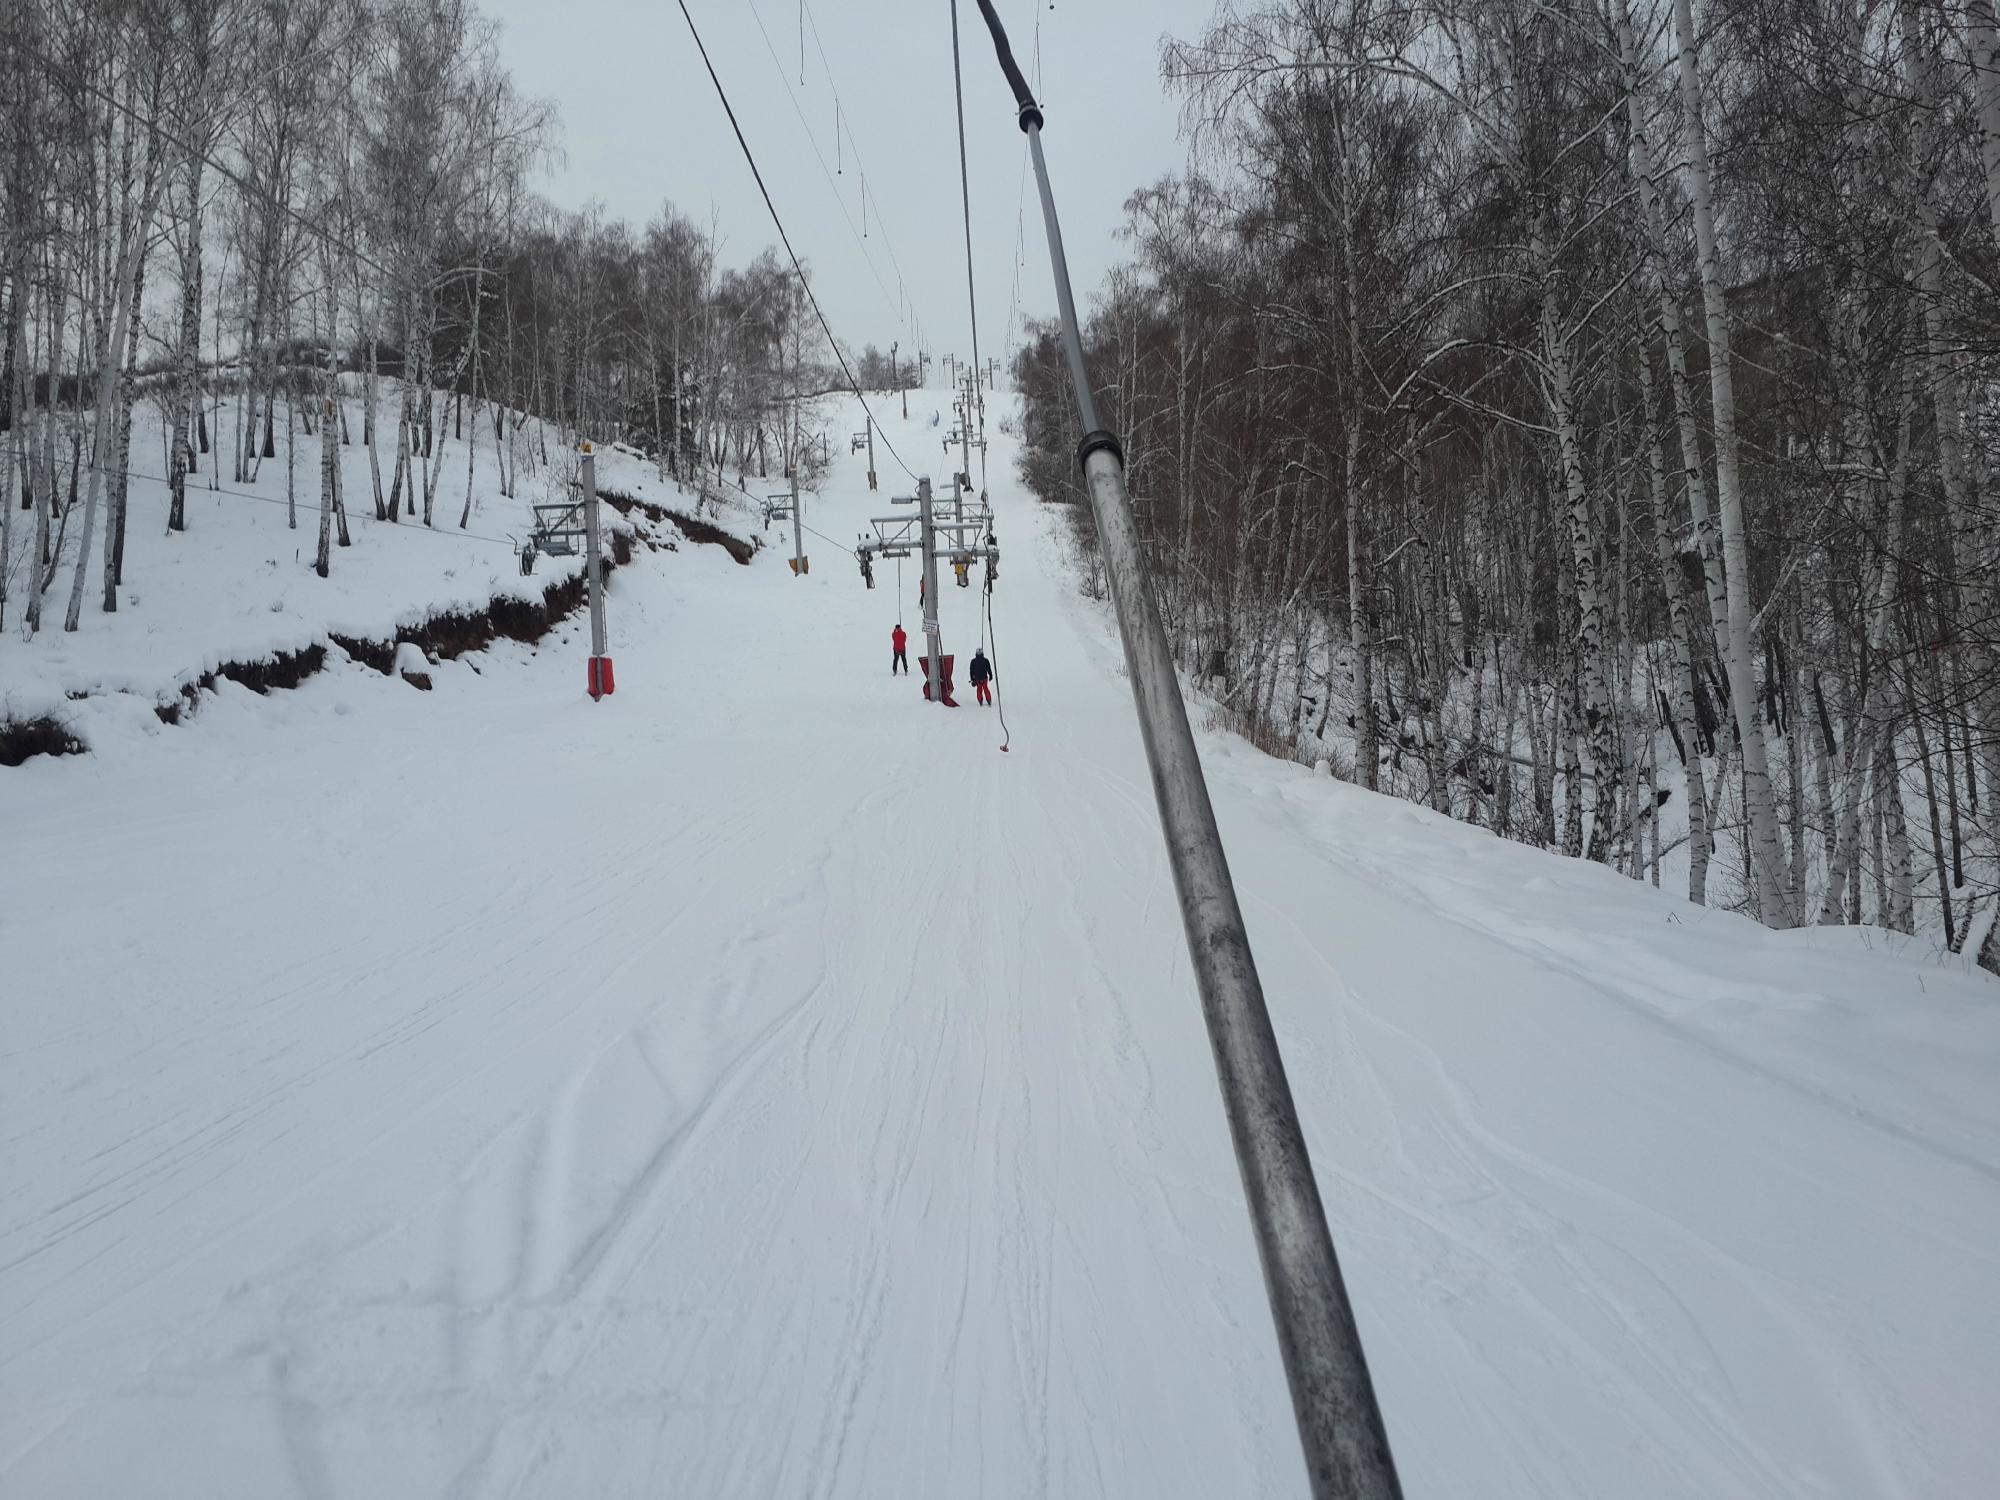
x=237 y=587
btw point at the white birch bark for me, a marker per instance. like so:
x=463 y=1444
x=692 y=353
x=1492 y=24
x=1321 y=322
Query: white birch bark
x=1598 y=724
x=1900 y=891
x=1679 y=385
x=43 y=472
x=1975 y=536
x=368 y=405
x=1985 y=46
x=185 y=396
x=1760 y=811
x=1875 y=702
x=17 y=420
x=1367 y=743
x=329 y=468
x=1681 y=632
x=110 y=356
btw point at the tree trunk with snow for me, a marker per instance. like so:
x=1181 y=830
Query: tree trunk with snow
x=1760 y=810
x=1681 y=631
x=110 y=357
x=329 y=465
x=368 y=405
x=1984 y=43
x=44 y=469
x=184 y=398
x=1974 y=534
x=17 y=420
x=119 y=478
x=1597 y=722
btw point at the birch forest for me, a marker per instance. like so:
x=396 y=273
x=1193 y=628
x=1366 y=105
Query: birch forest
x=1580 y=418
x=267 y=229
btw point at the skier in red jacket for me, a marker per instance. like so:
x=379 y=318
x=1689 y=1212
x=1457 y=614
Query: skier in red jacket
x=899 y=641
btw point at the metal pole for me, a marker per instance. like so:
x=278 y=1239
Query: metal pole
x=798 y=536
x=1333 y=1398
x=593 y=552
x=1079 y=377
x=871 y=450
x=965 y=434
x=933 y=636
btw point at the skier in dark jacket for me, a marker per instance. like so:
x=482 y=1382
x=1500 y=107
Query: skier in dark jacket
x=899 y=640
x=981 y=673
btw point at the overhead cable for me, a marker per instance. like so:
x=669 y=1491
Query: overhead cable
x=750 y=157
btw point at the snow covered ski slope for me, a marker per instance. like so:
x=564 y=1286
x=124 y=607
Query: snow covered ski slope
x=756 y=1085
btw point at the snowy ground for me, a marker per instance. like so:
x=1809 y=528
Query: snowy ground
x=237 y=585
x=756 y=1084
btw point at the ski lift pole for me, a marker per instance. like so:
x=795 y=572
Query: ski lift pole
x=965 y=434
x=798 y=535
x=933 y=632
x=1333 y=1398
x=600 y=678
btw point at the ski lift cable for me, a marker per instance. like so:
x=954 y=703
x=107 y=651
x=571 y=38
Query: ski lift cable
x=827 y=539
x=965 y=198
x=859 y=236
x=846 y=117
x=1346 y=1446
x=1021 y=207
x=1020 y=247
x=750 y=157
x=1021 y=195
x=784 y=77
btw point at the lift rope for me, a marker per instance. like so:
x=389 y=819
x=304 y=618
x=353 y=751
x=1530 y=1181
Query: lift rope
x=965 y=197
x=985 y=630
x=832 y=342
x=905 y=312
x=839 y=546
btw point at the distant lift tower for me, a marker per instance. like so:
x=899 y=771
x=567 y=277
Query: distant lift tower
x=601 y=680
x=865 y=439
x=960 y=541
x=785 y=507
x=969 y=405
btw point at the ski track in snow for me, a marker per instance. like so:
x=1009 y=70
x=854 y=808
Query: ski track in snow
x=757 y=1085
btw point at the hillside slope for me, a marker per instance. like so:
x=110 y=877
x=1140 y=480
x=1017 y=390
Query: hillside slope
x=756 y=1084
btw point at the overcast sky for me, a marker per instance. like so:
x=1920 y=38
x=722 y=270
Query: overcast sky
x=641 y=125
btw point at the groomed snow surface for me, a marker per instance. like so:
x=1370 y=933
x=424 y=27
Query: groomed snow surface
x=758 y=1085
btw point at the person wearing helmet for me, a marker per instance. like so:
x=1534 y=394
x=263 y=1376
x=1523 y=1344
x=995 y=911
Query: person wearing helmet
x=981 y=673
x=899 y=641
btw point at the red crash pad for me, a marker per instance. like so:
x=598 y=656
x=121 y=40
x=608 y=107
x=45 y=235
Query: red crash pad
x=944 y=665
